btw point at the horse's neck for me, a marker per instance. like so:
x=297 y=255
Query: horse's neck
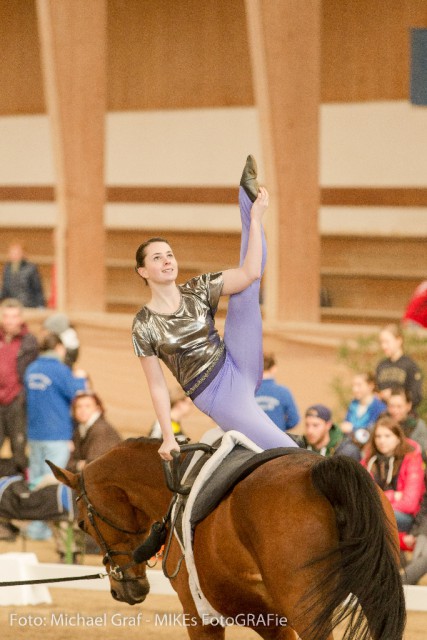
x=143 y=481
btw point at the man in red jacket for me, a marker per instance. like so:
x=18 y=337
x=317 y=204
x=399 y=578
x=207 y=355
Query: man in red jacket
x=18 y=348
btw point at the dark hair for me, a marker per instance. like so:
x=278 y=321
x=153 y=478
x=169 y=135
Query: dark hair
x=86 y=394
x=401 y=391
x=49 y=342
x=140 y=253
x=269 y=361
x=390 y=423
x=368 y=377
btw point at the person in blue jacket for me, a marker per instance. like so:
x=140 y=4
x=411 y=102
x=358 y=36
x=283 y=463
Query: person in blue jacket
x=50 y=388
x=362 y=413
x=276 y=400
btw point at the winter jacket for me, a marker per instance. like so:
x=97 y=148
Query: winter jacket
x=15 y=356
x=410 y=482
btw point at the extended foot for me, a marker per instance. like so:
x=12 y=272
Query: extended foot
x=249 y=180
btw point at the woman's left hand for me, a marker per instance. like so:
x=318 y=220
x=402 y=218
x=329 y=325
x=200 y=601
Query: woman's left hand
x=260 y=205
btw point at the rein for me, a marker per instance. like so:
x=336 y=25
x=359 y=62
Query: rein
x=116 y=571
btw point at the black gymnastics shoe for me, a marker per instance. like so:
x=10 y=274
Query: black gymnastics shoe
x=249 y=180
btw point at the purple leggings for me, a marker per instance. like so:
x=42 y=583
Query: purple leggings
x=230 y=398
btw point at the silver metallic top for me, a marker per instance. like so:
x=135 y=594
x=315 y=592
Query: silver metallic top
x=186 y=340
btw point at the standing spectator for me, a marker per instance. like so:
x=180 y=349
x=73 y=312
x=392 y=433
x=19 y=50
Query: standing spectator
x=320 y=434
x=416 y=311
x=396 y=465
x=21 y=279
x=18 y=348
x=274 y=399
x=399 y=406
x=59 y=324
x=51 y=388
x=181 y=405
x=93 y=435
x=397 y=369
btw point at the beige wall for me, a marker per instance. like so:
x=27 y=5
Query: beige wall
x=161 y=56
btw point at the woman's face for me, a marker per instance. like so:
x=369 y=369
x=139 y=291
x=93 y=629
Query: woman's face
x=398 y=407
x=386 y=441
x=390 y=344
x=160 y=265
x=361 y=388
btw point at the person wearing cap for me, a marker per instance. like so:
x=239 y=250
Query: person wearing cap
x=59 y=324
x=320 y=434
x=50 y=388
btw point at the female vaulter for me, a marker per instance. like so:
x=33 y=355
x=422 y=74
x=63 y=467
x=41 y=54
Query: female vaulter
x=177 y=326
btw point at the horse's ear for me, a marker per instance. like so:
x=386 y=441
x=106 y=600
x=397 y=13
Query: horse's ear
x=66 y=477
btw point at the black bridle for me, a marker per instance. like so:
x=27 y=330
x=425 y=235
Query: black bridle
x=116 y=571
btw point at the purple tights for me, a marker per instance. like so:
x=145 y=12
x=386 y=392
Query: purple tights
x=230 y=398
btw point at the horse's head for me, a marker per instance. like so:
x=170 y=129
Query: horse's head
x=105 y=512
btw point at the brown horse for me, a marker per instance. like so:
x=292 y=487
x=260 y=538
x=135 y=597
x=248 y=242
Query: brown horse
x=292 y=540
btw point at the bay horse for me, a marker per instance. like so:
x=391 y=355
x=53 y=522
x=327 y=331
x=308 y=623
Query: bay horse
x=286 y=546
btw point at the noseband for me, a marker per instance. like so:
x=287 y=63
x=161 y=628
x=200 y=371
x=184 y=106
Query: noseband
x=116 y=571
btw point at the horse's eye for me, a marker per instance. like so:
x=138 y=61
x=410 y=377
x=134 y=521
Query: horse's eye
x=81 y=525
x=105 y=560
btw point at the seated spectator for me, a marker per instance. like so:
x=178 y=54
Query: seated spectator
x=396 y=465
x=320 y=434
x=416 y=311
x=50 y=388
x=93 y=435
x=397 y=369
x=181 y=405
x=416 y=541
x=399 y=406
x=59 y=324
x=362 y=413
x=21 y=279
x=275 y=399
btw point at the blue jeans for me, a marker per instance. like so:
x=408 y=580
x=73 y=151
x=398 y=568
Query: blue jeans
x=58 y=452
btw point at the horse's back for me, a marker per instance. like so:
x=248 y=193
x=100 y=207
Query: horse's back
x=260 y=537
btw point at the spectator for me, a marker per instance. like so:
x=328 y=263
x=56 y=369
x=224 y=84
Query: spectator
x=416 y=541
x=416 y=311
x=396 y=465
x=18 y=347
x=362 y=413
x=399 y=406
x=274 y=399
x=181 y=405
x=397 y=369
x=59 y=324
x=50 y=389
x=21 y=279
x=320 y=434
x=93 y=435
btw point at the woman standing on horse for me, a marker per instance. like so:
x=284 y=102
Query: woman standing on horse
x=177 y=326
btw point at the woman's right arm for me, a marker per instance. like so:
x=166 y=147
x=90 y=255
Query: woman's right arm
x=161 y=403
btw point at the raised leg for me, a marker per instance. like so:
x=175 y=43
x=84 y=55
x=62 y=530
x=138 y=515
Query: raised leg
x=243 y=325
